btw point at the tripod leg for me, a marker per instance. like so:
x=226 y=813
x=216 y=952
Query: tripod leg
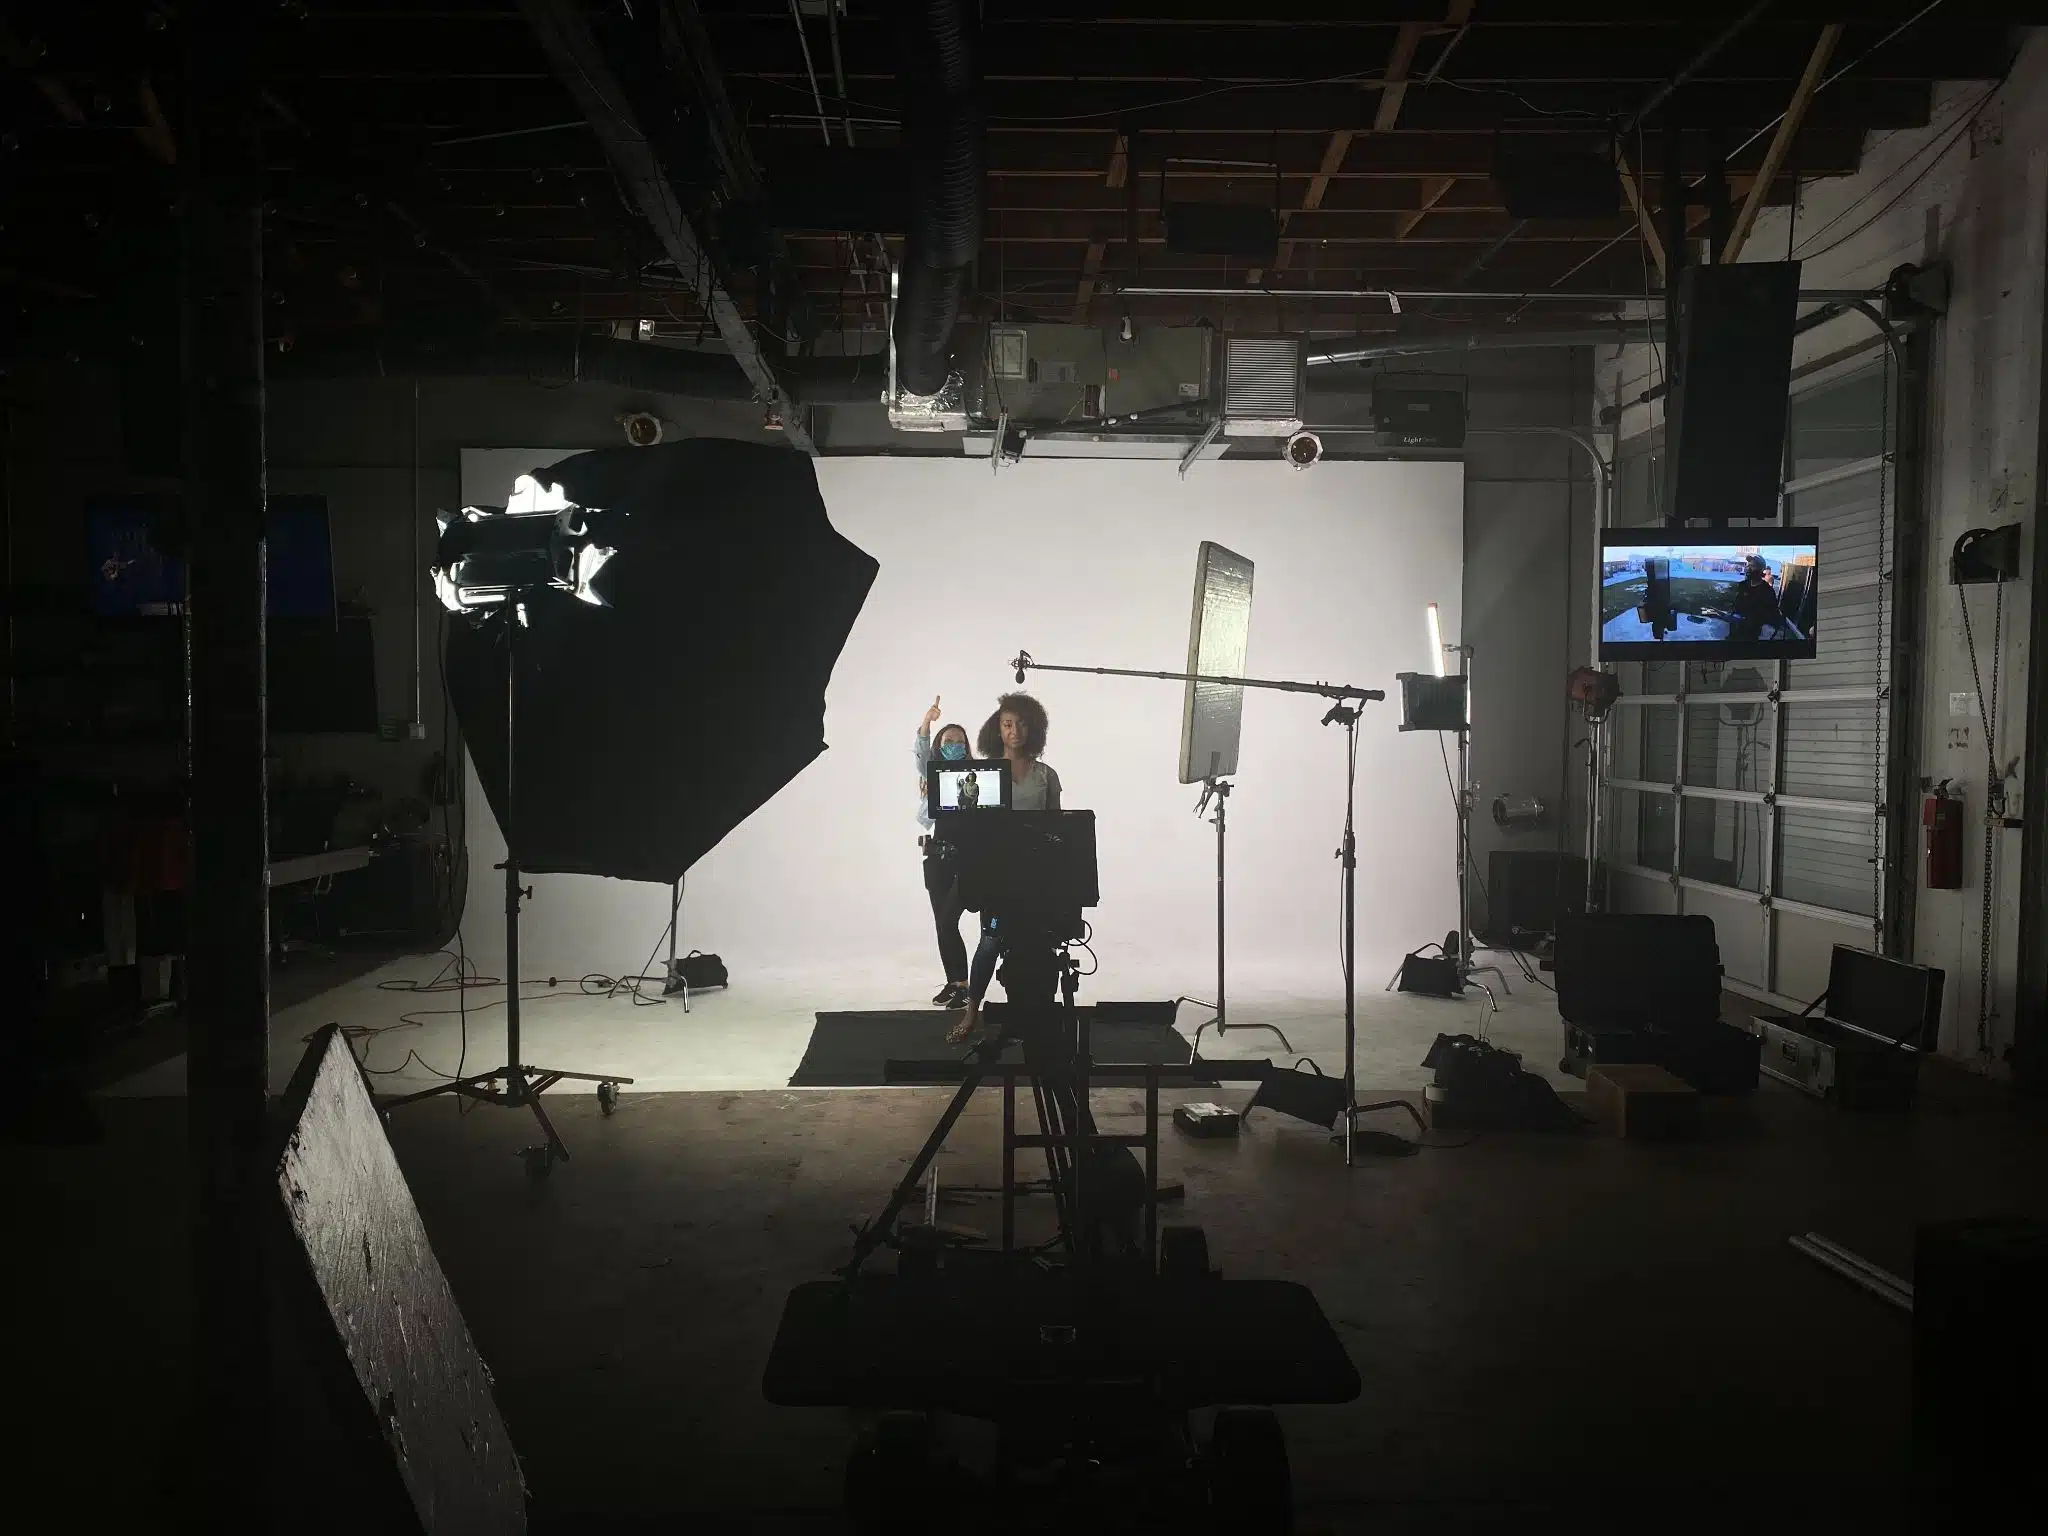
x=1054 y=1162
x=556 y=1151
x=871 y=1237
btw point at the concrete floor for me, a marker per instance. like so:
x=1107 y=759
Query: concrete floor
x=1549 y=1329
x=752 y=1035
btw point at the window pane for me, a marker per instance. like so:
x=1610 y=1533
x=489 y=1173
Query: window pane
x=1640 y=828
x=1728 y=746
x=1827 y=861
x=1837 y=423
x=1724 y=843
x=1846 y=515
x=1831 y=751
x=1646 y=743
x=1847 y=654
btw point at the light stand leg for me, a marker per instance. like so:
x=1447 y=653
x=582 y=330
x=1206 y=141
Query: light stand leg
x=1221 y=790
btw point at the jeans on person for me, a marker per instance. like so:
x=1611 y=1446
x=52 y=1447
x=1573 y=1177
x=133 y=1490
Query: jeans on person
x=986 y=954
x=943 y=886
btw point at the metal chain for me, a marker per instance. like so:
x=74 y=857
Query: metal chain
x=1987 y=714
x=1880 y=824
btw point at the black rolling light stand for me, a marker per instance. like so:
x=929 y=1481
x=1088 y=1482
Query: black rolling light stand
x=522 y=1085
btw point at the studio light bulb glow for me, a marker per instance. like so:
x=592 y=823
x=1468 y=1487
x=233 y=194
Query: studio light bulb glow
x=1436 y=641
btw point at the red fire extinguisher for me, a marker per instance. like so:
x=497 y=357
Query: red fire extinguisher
x=1941 y=813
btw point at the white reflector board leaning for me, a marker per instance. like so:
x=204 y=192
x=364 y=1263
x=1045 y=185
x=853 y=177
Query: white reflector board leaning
x=1218 y=633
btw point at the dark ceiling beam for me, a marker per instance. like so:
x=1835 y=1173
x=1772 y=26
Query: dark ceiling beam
x=1062 y=106
x=566 y=39
x=1490 y=53
x=1820 y=151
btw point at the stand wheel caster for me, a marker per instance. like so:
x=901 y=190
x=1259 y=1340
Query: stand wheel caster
x=1183 y=1254
x=885 y=1472
x=608 y=1097
x=1251 y=1492
x=540 y=1161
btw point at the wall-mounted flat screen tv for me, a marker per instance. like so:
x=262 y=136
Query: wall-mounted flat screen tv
x=1709 y=594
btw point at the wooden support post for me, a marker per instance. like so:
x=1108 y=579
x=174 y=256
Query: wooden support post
x=228 y=954
x=1781 y=144
x=1632 y=188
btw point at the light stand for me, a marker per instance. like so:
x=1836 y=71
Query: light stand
x=1423 y=711
x=1466 y=969
x=492 y=565
x=1219 y=790
x=1345 y=708
x=674 y=983
x=516 y=1085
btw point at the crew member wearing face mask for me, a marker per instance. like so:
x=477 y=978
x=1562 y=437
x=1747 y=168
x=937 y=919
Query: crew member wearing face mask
x=941 y=881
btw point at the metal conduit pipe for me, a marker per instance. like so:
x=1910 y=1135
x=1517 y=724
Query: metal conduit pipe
x=1478 y=341
x=546 y=359
x=1504 y=296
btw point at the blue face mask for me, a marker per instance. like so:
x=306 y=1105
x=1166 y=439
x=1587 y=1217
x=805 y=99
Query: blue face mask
x=953 y=751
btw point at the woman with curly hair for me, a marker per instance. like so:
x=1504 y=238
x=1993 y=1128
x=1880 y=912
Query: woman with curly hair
x=1015 y=733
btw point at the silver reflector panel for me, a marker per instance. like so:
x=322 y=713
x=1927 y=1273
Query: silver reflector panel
x=1218 y=632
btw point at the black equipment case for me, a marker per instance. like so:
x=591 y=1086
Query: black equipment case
x=1859 y=1043
x=1646 y=987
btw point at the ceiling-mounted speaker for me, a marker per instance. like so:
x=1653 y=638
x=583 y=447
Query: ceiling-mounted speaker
x=1731 y=372
x=1221 y=229
x=1549 y=183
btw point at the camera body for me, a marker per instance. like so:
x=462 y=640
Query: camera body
x=1031 y=871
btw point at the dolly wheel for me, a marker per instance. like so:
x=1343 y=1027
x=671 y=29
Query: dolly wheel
x=887 y=1477
x=1183 y=1254
x=608 y=1097
x=1251 y=1492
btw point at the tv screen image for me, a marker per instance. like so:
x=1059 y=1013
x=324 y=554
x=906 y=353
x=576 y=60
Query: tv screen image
x=1735 y=593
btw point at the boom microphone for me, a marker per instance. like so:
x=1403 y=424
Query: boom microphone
x=1020 y=662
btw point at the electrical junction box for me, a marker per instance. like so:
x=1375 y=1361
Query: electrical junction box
x=1074 y=375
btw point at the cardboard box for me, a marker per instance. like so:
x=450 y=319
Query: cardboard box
x=1642 y=1103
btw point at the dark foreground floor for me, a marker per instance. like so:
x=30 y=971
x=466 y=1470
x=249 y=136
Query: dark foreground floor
x=1551 y=1331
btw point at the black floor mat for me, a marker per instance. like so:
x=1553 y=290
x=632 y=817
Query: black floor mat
x=847 y=1050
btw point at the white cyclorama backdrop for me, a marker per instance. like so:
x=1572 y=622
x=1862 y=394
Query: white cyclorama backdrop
x=1085 y=564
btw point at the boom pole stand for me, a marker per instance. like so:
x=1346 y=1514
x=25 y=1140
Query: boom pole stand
x=1218 y=789
x=1346 y=705
x=516 y=1085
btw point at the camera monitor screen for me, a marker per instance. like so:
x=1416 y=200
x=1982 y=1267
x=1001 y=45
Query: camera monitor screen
x=1707 y=595
x=967 y=786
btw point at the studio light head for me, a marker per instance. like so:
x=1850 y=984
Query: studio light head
x=539 y=538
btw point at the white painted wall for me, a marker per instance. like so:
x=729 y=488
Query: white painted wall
x=1970 y=189
x=1088 y=564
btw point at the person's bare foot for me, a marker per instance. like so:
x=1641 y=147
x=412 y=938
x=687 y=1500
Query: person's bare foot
x=967 y=1025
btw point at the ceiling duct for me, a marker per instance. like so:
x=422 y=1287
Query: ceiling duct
x=1262 y=385
x=943 y=133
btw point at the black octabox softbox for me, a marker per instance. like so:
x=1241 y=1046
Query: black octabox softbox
x=649 y=729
